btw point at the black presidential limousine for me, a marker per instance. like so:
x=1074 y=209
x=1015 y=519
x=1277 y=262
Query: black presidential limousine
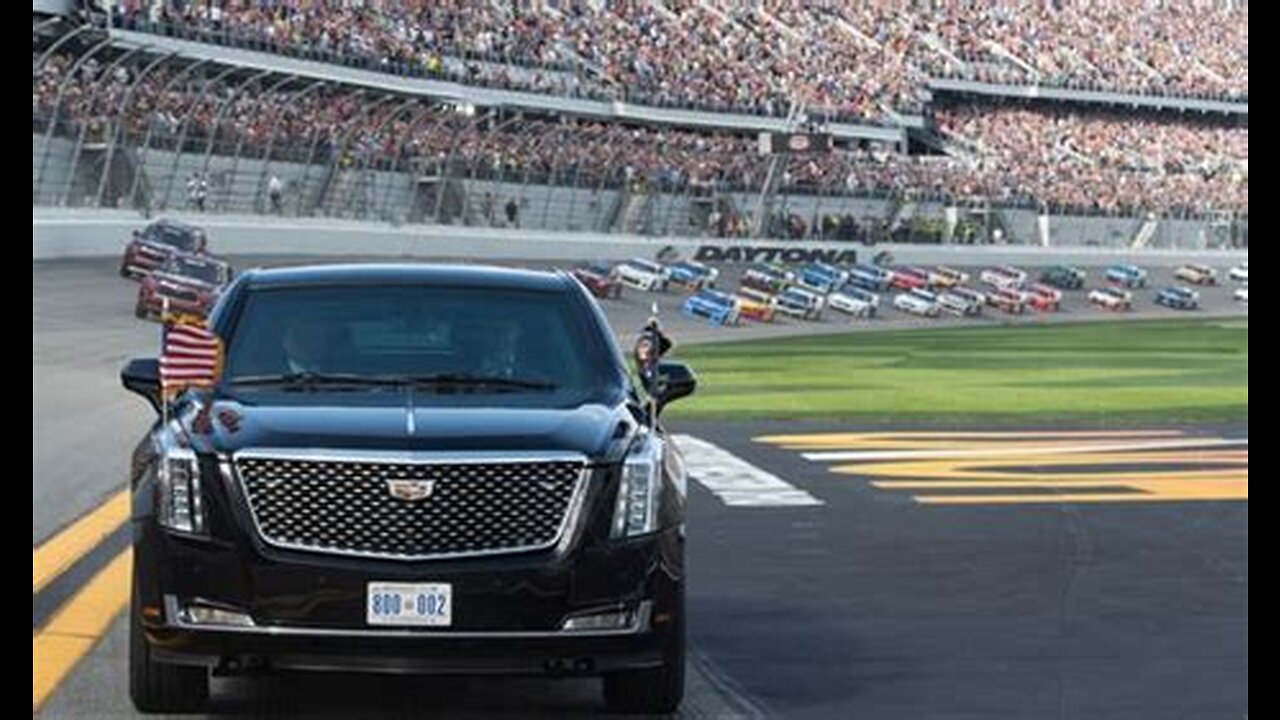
x=410 y=468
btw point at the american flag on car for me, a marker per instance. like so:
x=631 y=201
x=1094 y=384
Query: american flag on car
x=192 y=357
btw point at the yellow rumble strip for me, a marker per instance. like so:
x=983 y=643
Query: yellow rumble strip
x=60 y=552
x=77 y=626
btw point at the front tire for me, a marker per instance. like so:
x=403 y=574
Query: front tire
x=656 y=691
x=156 y=687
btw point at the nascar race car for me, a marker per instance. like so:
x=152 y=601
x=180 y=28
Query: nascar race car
x=822 y=277
x=1005 y=276
x=1197 y=274
x=854 y=301
x=910 y=278
x=1239 y=272
x=958 y=303
x=1064 y=277
x=692 y=275
x=1178 y=298
x=917 y=302
x=755 y=305
x=599 y=279
x=718 y=307
x=1242 y=294
x=1008 y=299
x=1043 y=297
x=945 y=277
x=1111 y=298
x=976 y=299
x=154 y=244
x=188 y=284
x=642 y=274
x=870 y=277
x=769 y=278
x=800 y=303
x=1130 y=276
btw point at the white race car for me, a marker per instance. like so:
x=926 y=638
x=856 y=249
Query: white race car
x=1242 y=293
x=798 y=302
x=1005 y=276
x=959 y=303
x=1111 y=298
x=854 y=301
x=1239 y=272
x=917 y=302
x=643 y=275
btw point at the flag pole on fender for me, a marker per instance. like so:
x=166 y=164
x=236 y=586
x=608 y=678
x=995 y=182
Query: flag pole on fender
x=191 y=356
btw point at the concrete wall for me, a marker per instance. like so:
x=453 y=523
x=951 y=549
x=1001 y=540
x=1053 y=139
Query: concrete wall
x=63 y=233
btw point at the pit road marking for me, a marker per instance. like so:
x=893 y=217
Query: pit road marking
x=735 y=481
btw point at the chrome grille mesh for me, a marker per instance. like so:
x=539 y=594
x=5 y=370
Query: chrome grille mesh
x=347 y=507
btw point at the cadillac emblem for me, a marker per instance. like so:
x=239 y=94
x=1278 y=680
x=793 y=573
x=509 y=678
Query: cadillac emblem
x=410 y=490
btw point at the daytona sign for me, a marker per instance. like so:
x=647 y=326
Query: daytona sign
x=773 y=253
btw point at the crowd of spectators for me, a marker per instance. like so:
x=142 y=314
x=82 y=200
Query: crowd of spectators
x=847 y=59
x=1109 y=161
x=1096 y=161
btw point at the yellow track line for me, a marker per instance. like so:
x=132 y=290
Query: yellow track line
x=1200 y=493
x=77 y=626
x=927 y=439
x=62 y=551
x=981 y=468
x=1092 y=481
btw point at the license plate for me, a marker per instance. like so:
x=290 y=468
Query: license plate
x=409 y=604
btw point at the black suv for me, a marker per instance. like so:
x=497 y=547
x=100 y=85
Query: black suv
x=410 y=469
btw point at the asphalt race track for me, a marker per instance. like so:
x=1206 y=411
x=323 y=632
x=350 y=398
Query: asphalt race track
x=820 y=587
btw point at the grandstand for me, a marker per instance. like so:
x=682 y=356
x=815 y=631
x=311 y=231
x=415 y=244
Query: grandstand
x=643 y=116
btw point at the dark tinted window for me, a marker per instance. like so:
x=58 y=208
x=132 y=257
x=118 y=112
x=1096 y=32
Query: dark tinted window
x=179 y=237
x=417 y=331
x=208 y=272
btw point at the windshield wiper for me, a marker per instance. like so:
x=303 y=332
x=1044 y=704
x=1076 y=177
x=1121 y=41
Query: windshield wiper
x=308 y=379
x=441 y=381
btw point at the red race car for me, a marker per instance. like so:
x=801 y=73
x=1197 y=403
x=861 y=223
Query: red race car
x=909 y=278
x=1043 y=298
x=187 y=284
x=153 y=245
x=599 y=279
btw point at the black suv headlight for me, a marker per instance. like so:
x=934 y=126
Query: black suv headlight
x=635 y=511
x=178 y=503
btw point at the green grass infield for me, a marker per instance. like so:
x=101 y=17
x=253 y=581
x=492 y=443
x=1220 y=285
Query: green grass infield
x=1163 y=372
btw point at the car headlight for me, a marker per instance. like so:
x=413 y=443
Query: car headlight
x=636 y=508
x=179 y=505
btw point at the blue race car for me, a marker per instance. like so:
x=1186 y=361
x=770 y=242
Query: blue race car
x=870 y=277
x=1178 y=298
x=718 y=307
x=692 y=275
x=1130 y=276
x=822 y=277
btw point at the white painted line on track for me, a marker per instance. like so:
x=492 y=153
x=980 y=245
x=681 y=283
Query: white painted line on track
x=735 y=481
x=1018 y=451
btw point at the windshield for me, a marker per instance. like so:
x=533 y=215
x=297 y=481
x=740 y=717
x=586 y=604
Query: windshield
x=179 y=237
x=404 y=334
x=208 y=272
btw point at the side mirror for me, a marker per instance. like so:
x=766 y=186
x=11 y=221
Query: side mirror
x=142 y=376
x=675 y=380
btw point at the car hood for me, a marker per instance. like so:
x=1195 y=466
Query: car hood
x=595 y=430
